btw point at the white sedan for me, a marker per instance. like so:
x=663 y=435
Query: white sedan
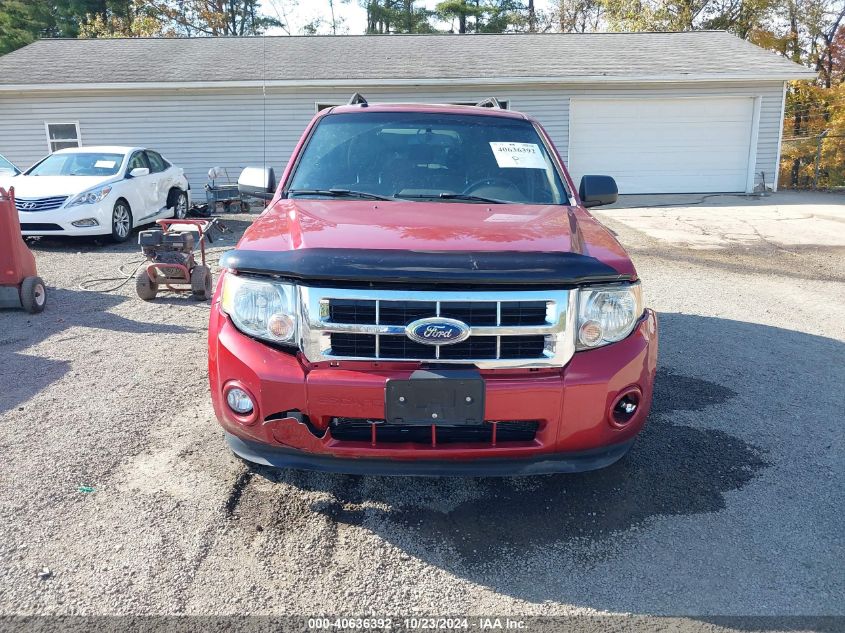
x=99 y=191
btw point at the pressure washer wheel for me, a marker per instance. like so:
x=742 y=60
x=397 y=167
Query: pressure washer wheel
x=33 y=294
x=144 y=286
x=201 y=282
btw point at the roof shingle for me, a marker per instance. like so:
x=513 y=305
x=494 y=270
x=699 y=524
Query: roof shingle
x=553 y=57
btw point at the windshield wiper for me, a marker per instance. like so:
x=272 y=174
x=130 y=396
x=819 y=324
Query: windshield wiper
x=338 y=193
x=452 y=196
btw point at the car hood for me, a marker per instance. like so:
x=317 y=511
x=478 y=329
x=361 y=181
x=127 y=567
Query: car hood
x=295 y=224
x=7 y=179
x=46 y=186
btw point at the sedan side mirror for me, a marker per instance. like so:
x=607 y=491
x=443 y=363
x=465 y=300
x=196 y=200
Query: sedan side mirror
x=596 y=191
x=258 y=182
x=139 y=171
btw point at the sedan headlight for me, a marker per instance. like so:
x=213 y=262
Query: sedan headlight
x=263 y=309
x=607 y=314
x=92 y=196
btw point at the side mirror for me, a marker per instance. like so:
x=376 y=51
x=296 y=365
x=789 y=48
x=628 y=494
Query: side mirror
x=139 y=171
x=258 y=182
x=596 y=191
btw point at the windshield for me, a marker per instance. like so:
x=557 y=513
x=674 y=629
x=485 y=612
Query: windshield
x=6 y=166
x=78 y=164
x=428 y=156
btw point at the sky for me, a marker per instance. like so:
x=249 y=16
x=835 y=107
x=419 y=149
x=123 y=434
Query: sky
x=298 y=13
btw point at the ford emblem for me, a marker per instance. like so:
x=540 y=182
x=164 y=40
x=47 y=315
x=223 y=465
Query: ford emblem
x=437 y=331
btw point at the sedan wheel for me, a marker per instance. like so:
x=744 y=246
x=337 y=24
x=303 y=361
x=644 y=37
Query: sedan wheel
x=181 y=207
x=121 y=223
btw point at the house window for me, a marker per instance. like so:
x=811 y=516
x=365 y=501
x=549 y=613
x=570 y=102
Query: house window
x=62 y=135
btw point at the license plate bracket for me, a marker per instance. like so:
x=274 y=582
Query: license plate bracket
x=447 y=397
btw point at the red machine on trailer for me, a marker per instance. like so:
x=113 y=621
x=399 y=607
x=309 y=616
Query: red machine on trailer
x=20 y=285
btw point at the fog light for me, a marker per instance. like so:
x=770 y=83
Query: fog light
x=625 y=407
x=239 y=401
x=590 y=333
x=86 y=223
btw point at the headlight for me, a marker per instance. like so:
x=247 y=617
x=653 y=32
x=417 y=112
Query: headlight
x=92 y=196
x=263 y=309
x=607 y=314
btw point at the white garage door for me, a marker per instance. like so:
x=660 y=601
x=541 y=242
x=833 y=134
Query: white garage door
x=663 y=145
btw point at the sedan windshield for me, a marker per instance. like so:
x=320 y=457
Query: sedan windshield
x=78 y=164
x=428 y=156
x=6 y=166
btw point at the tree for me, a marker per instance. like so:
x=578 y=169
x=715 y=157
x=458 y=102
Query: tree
x=24 y=21
x=213 y=17
x=578 y=16
x=487 y=16
x=744 y=18
x=397 y=16
x=138 y=19
x=461 y=10
x=504 y=16
x=21 y=22
x=336 y=22
x=653 y=15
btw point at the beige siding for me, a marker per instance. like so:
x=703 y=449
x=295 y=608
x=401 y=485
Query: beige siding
x=199 y=129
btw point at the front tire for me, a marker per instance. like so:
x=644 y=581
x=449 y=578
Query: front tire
x=179 y=204
x=121 y=221
x=33 y=294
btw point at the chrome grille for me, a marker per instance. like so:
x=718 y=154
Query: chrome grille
x=507 y=328
x=31 y=205
x=473 y=313
x=401 y=347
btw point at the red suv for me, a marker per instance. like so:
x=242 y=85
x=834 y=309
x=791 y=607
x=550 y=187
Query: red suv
x=426 y=294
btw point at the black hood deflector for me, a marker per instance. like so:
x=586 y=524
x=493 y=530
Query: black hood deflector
x=461 y=268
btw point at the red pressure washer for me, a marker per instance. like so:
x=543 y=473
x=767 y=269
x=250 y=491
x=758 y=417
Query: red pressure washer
x=170 y=259
x=20 y=285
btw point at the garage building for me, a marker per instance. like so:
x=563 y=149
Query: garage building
x=661 y=112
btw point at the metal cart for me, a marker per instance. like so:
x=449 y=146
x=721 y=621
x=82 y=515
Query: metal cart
x=225 y=194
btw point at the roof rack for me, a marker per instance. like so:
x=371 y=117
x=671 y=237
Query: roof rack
x=490 y=102
x=358 y=99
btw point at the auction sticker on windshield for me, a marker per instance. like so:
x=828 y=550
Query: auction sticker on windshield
x=520 y=155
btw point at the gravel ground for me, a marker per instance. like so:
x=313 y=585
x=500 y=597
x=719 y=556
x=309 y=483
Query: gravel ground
x=729 y=504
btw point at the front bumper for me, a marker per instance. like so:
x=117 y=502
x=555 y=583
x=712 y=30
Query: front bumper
x=541 y=464
x=60 y=221
x=571 y=407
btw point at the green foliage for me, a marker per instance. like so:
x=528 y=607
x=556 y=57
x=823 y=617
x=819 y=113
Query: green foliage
x=18 y=24
x=130 y=18
x=397 y=16
x=484 y=16
x=213 y=17
x=24 y=21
